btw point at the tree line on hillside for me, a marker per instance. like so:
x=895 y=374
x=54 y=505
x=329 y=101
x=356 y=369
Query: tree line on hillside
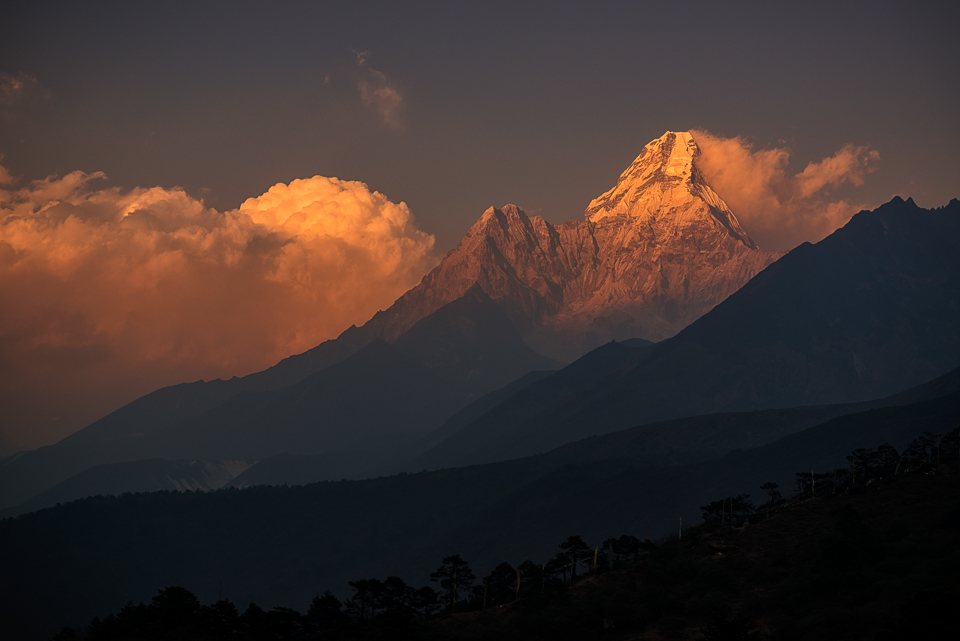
x=390 y=608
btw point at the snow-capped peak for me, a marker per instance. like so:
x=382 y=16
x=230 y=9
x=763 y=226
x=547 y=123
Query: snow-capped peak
x=663 y=185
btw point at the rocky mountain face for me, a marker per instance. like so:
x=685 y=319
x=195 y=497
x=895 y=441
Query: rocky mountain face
x=653 y=254
x=870 y=310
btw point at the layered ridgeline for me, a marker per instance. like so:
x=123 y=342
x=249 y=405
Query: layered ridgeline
x=869 y=310
x=653 y=254
x=281 y=546
x=368 y=408
x=656 y=252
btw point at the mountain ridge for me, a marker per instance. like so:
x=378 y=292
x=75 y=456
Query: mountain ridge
x=399 y=525
x=654 y=253
x=533 y=270
x=871 y=309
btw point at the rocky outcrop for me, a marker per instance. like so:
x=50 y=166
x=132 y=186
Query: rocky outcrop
x=656 y=252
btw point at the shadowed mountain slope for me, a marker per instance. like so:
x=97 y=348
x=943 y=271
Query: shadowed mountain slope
x=379 y=394
x=473 y=342
x=698 y=438
x=654 y=253
x=871 y=309
x=501 y=421
x=383 y=396
x=149 y=475
x=299 y=469
x=312 y=414
x=281 y=546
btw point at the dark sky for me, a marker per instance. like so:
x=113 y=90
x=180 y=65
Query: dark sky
x=541 y=104
x=450 y=107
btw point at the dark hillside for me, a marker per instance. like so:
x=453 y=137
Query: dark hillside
x=870 y=310
x=875 y=560
x=490 y=430
x=614 y=495
x=880 y=564
x=282 y=545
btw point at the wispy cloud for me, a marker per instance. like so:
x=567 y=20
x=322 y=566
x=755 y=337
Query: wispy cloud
x=379 y=93
x=780 y=210
x=361 y=57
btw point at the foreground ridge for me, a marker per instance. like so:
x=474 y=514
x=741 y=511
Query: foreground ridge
x=868 y=551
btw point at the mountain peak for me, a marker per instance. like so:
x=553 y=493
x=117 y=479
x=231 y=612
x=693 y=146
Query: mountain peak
x=679 y=149
x=655 y=253
x=662 y=185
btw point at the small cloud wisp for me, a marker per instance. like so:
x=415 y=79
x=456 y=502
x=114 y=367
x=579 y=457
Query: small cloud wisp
x=378 y=93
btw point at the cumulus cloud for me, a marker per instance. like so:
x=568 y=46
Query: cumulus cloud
x=109 y=293
x=780 y=210
x=379 y=93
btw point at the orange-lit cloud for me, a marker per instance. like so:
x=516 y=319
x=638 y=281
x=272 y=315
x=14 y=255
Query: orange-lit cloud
x=108 y=294
x=777 y=209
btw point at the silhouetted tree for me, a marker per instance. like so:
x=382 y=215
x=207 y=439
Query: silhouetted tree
x=281 y=623
x=501 y=583
x=577 y=550
x=453 y=575
x=531 y=576
x=326 y=613
x=772 y=490
x=624 y=548
x=815 y=483
x=397 y=595
x=176 y=611
x=733 y=509
x=633 y=548
x=887 y=459
x=252 y=621
x=558 y=565
x=773 y=494
x=426 y=601
x=220 y=620
x=367 y=597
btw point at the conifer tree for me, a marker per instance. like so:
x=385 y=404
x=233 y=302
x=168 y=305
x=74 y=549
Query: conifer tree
x=453 y=575
x=577 y=550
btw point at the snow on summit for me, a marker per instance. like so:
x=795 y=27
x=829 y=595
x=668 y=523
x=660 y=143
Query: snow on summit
x=656 y=252
x=663 y=183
